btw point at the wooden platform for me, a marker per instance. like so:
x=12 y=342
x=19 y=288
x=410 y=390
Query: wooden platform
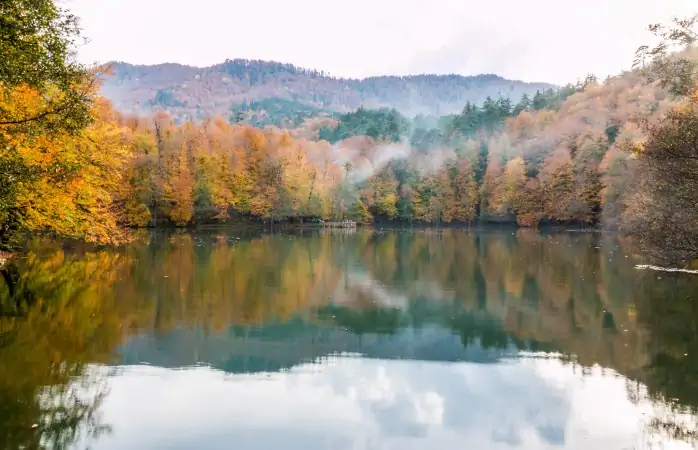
x=340 y=224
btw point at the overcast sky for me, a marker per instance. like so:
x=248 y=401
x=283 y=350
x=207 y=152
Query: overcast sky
x=534 y=40
x=350 y=403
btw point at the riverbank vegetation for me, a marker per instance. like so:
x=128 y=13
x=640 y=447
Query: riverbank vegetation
x=591 y=153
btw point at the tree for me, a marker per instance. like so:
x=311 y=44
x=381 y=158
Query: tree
x=179 y=189
x=444 y=201
x=506 y=198
x=385 y=201
x=46 y=98
x=523 y=105
x=557 y=180
x=73 y=182
x=663 y=212
x=466 y=192
x=538 y=101
x=63 y=307
x=37 y=52
x=359 y=212
x=670 y=61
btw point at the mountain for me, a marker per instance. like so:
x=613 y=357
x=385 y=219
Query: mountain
x=232 y=88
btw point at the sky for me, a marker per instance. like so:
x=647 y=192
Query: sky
x=351 y=403
x=535 y=40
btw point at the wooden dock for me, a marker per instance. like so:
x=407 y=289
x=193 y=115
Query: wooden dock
x=340 y=224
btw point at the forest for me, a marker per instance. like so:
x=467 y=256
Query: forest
x=211 y=91
x=583 y=154
x=279 y=112
x=619 y=154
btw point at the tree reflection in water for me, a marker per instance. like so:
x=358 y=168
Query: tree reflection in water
x=57 y=317
x=576 y=294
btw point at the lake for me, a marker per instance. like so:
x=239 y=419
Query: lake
x=347 y=339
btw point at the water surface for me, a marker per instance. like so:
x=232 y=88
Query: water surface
x=348 y=340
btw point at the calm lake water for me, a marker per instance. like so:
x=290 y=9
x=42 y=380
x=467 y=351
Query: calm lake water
x=451 y=339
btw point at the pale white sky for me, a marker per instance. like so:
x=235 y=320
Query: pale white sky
x=534 y=40
x=352 y=403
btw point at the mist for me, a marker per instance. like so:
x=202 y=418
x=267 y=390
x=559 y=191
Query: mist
x=580 y=131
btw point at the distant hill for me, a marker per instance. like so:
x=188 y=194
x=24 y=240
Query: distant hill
x=236 y=87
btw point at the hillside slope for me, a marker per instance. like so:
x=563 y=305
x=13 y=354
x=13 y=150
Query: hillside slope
x=190 y=92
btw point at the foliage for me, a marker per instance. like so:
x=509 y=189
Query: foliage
x=36 y=54
x=425 y=134
x=671 y=62
x=558 y=156
x=214 y=90
x=66 y=183
x=382 y=124
x=56 y=174
x=662 y=216
x=568 y=164
x=57 y=315
x=279 y=112
x=538 y=166
x=165 y=98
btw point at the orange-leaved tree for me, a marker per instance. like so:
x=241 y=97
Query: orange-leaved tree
x=61 y=151
x=69 y=180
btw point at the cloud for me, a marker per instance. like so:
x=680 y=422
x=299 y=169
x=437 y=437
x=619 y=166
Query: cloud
x=476 y=51
x=348 y=403
x=537 y=40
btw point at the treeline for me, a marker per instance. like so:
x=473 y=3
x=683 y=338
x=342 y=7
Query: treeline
x=564 y=165
x=427 y=132
x=212 y=91
x=73 y=165
x=562 y=157
x=278 y=112
x=380 y=124
x=215 y=170
x=257 y=70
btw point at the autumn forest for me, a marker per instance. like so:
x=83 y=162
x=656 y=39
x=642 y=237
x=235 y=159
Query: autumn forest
x=75 y=166
x=217 y=180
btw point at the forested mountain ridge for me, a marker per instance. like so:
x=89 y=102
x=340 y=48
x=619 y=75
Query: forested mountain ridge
x=191 y=93
x=565 y=160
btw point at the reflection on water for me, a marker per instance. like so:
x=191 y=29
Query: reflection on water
x=402 y=339
x=369 y=403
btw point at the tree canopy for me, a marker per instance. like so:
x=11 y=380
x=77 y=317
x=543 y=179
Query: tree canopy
x=54 y=168
x=663 y=216
x=38 y=53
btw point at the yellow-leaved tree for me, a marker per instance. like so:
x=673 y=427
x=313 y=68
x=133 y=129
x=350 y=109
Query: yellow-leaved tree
x=61 y=153
x=67 y=182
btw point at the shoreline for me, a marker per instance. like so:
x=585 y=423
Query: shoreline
x=381 y=224
x=259 y=228
x=380 y=227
